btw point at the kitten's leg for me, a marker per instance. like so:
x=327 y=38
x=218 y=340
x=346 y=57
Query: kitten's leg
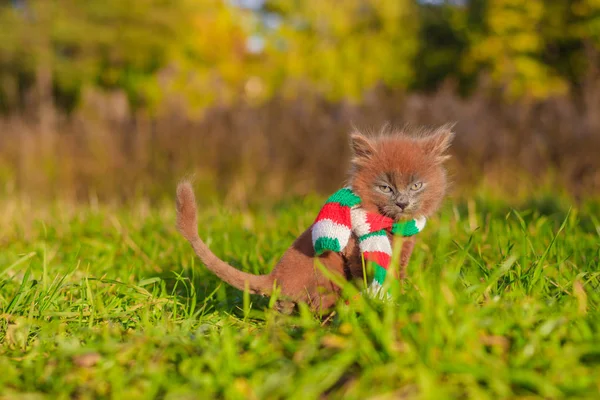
x=407 y=248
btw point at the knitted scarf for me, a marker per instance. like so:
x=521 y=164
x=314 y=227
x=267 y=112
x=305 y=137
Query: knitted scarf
x=342 y=216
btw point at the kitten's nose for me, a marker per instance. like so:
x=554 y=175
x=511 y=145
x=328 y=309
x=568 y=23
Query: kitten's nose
x=402 y=204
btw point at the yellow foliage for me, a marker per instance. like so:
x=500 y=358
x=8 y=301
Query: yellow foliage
x=512 y=49
x=198 y=50
x=345 y=48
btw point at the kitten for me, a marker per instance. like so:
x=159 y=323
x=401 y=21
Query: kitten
x=397 y=175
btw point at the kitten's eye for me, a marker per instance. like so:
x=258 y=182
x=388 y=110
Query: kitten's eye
x=416 y=186
x=385 y=188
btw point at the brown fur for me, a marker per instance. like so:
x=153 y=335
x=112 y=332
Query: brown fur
x=396 y=160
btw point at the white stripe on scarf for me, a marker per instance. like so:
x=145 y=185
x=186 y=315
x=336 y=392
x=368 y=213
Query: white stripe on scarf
x=328 y=228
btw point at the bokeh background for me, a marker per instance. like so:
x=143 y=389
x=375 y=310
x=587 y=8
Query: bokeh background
x=111 y=100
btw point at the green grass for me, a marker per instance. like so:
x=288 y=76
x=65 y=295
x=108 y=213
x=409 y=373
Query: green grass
x=111 y=303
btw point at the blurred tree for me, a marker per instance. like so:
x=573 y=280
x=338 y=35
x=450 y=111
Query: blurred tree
x=208 y=51
x=215 y=64
x=346 y=47
x=571 y=30
x=564 y=49
x=589 y=26
x=109 y=43
x=511 y=48
x=442 y=46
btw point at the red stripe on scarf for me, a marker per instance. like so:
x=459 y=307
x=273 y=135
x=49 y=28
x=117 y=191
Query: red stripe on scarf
x=380 y=258
x=335 y=212
x=378 y=222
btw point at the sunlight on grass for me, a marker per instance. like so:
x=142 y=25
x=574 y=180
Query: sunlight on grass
x=98 y=302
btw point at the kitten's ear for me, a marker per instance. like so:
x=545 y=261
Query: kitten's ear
x=438 y=143
x=362 y=148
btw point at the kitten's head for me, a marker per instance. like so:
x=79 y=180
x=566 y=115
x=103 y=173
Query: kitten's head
x=398 y=175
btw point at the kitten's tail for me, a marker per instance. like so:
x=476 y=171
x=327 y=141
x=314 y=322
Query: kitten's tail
x=187 y=224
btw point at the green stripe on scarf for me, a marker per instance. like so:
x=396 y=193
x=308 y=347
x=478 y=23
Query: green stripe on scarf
x=344 y=197
x=376 y=233
x=406 y=228
x=380 y=274
x=326 y=243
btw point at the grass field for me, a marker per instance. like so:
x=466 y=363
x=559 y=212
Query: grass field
x=101 y=302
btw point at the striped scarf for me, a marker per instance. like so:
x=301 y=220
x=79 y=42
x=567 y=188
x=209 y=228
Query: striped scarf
x=342 y=216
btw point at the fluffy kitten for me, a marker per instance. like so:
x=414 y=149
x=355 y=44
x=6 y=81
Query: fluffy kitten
x=397 y=175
